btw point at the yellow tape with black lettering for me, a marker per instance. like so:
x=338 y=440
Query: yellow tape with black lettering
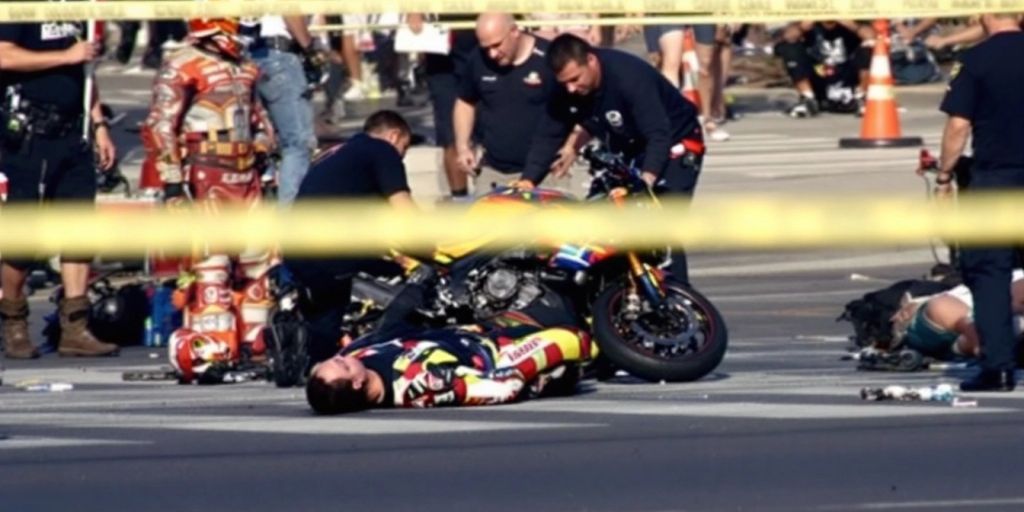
x=736 y=222
x=721 y=11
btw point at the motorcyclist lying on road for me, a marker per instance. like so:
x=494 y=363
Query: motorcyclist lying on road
x=942 y=325
x=511 y=357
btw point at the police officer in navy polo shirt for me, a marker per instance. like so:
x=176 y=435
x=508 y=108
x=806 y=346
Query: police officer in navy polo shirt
x=367 y=166
x=984 y=101
x=506 y=89
x=50 y=148
x=622 y=100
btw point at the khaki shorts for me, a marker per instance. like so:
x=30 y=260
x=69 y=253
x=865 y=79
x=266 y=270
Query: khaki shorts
x=575 y=183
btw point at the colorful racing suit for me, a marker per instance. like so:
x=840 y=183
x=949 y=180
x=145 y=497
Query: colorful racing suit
x=463 y=367
x=207 y=131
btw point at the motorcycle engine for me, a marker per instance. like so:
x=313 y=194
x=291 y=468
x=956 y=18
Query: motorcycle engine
x=499 y=288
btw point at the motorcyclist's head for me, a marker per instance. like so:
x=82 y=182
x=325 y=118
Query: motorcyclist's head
x=575 y=64
x=391 y=127
x=338 y=385
x=499 y=37
x=221 y=33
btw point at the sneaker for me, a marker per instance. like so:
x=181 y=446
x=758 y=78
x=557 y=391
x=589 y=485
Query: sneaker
x=356 y=92
x=806 y=107
x=861 y=106
x=715 y=133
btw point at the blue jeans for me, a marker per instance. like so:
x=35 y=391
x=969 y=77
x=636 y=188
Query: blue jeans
x=283 y=89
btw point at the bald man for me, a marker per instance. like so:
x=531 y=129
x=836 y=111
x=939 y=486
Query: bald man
x=506 y=90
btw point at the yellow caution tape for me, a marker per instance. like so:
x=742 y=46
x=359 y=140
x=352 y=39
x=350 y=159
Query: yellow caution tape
x=739 y=222
x=562 y=22
x=721 y=11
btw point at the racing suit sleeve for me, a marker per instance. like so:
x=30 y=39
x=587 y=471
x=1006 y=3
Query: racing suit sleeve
x=652 y=122
x=160 y=132
x=542 y=351
x=439 y=380
x=554 y=127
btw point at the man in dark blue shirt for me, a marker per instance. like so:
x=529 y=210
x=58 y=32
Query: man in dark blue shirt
x=506 y=88
x=984 y=101
x=623 y=101
x=367 y=166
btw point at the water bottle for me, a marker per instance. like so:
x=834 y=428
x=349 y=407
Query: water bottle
x=939 y=393
x=147 y=340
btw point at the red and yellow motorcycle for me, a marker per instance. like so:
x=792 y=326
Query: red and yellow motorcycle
x=643 y=321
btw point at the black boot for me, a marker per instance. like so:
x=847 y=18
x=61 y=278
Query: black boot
x=990 y=380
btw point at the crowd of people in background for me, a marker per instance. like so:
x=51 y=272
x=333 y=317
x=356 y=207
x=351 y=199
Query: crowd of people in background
x=826 y=61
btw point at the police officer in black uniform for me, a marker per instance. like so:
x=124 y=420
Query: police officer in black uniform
x=48 y=156
x=367 y=166
x=505 y=91
x=984 y=101
x=622 y=100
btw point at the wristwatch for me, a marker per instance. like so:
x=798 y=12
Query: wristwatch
x=948 y=178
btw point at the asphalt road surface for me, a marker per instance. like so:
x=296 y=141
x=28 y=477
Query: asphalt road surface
x=779 y=426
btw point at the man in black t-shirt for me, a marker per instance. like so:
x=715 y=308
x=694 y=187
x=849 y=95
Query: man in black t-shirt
x=984 y=103
x=48 y=156
x=505 y=91
x=367 y=166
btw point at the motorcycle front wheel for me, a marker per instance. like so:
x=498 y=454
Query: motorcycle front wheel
x=682 y=340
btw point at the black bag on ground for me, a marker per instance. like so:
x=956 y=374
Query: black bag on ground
x=871 y=314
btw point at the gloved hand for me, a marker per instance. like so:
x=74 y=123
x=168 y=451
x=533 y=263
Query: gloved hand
x=175 y=194
x=314 y=64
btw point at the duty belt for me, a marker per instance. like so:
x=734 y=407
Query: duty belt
x=48 y=121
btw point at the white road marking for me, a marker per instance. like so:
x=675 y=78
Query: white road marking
x=384 y=425
x=928 y=505
x=21 y=442
x=755 y=410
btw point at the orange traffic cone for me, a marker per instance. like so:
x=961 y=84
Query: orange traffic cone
x=881 y=125
x=691 y=66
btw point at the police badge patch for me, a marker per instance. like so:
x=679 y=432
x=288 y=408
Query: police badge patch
x=532 y=79
x=614 y=118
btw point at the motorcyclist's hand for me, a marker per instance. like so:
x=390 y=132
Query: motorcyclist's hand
x=466 y=158
x=175 y=194
x=314 y=66
x=105 y=149
x=562 y=164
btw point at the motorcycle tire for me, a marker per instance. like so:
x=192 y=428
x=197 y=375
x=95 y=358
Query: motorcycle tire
x=288 y=347
x=643 y=363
